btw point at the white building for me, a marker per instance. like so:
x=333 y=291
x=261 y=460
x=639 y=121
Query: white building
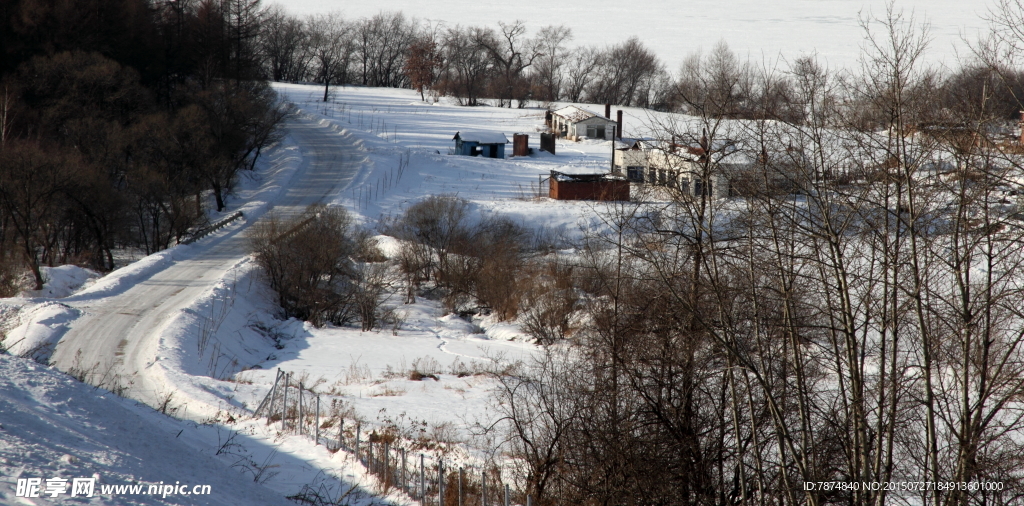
x=574 y=123
x=644 y=162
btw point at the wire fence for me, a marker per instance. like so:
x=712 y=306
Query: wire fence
x=367 y=193
x=421 y=476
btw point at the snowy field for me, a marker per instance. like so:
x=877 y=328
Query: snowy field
x=397 y=129
x=760 y=31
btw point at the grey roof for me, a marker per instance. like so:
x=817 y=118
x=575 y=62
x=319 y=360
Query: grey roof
x=482 y=137
x=575 y=114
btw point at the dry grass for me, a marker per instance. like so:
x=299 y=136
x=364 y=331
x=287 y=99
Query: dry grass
x=388 y=391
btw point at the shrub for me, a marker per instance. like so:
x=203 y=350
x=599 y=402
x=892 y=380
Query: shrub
x=550 y=300
x=307 y=260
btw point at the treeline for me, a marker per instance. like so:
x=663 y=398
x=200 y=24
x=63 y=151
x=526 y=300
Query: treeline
x=509 y=66
x=117 y=119
x=469 y=63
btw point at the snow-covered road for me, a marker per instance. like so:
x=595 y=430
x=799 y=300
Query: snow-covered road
x=116 y=343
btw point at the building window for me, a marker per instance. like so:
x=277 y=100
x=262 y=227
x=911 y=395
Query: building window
x=595 y=132
x=702 y=188
x=635 y=174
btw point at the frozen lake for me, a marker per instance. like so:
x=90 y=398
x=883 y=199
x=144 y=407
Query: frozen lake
x=673 y=29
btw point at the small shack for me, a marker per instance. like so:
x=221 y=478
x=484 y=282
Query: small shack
x=587 y=187
x=486 y=144
x=574 y=123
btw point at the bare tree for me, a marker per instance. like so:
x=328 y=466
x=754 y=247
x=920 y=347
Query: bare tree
x=382 y=43
x=550 y=67
x=307 y=261
x=626 y=74
x=284 y=46
x=466 y=66
x=32 y=181
x=581 y=71
x=331 y=49
x=512 y=53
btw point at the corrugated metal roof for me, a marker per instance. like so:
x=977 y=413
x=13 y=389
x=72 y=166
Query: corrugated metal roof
x=575 y=114
x=482 y=137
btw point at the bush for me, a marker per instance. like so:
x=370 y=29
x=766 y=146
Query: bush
x=501 y=246
x=481 y=263
x=550 y=299
x=430 y=229
x=307 y=260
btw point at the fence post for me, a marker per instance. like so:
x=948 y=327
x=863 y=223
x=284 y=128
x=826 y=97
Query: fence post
x=357 y=441
x=317 y=442
x=268 y=402
x=341 y=432
x=506 y=495
x=401 y=480
x=440 y=483
x=529 y=501
x=423 y=483
x=300 y=408
x=460 y=486
x=387 y=464
x=483 y=492
x=284 y=408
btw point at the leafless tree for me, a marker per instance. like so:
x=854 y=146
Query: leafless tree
x=626 y=75
x=511 y=53
x=331 y=48
x=382 y=43
x=284 y=46
x=581 y=70
x=550 y=67
x=466 y=66
x=308 y=262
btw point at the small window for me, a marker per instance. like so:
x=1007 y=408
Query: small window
x=635 y=173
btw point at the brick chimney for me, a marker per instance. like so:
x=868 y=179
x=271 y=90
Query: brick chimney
x=608 y=111
x=618 y=121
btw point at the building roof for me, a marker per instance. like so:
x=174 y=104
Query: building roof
x=626 y=143
x=482 y=137
x=582 y=178
x=575 y=114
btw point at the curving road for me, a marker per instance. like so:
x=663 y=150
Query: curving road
x=117 y=339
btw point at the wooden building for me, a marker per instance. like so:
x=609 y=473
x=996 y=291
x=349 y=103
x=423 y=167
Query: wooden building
x=587 y=187
x=486 y=144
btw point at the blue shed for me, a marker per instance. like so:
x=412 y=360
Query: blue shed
x=487 y=144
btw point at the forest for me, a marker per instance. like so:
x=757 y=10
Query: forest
x=118 y=119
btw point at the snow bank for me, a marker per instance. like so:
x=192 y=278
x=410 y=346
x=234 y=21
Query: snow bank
x=63 y=280
x=36 y=329
x=55 y=427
